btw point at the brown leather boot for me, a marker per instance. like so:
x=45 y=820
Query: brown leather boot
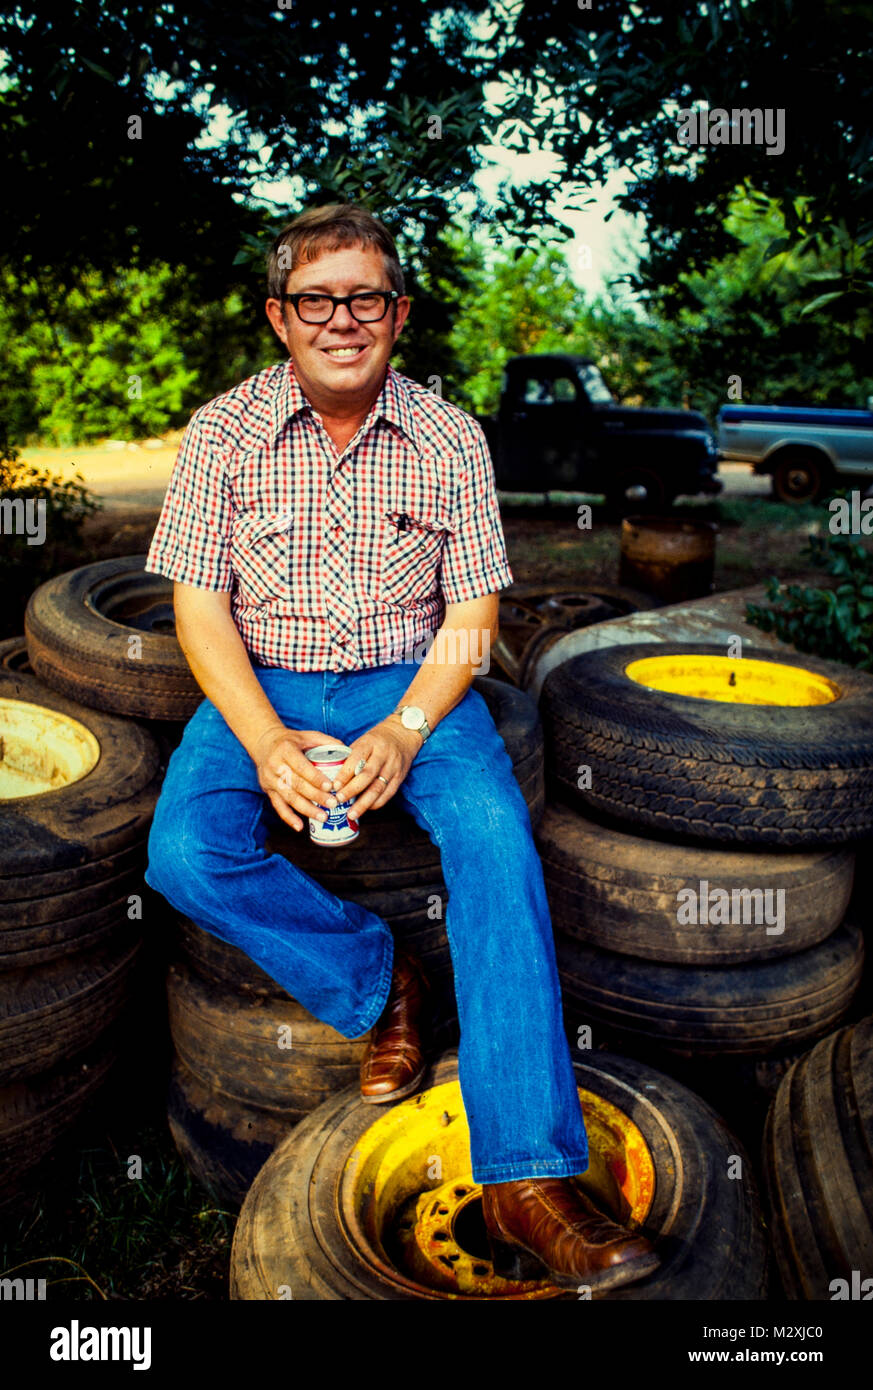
x=394 y=1063
x=547 y=1228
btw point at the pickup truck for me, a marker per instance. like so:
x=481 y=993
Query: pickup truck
x=807 y=450
x=559 y=429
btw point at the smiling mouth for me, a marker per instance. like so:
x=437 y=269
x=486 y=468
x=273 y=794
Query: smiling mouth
x=341 y=353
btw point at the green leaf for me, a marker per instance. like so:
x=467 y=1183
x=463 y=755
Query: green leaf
x=95 y=67
x=820 y=301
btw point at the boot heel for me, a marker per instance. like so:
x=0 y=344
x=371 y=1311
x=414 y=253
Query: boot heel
x=513 y=1262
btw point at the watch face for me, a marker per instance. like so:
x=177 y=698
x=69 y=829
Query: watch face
x=412 y=717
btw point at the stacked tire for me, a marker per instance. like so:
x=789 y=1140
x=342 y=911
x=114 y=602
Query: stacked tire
x=77 y=792
x=249 y=1062
x=818 y=1164
x=352 y=1206
x=698 y=851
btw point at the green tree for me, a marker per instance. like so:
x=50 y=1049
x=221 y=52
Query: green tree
x=618 y=75
x=126 y=355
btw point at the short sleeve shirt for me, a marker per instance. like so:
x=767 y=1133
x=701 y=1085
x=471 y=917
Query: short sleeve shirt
x=333 y=561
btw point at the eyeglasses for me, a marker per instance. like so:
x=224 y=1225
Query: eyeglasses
x=320 y=308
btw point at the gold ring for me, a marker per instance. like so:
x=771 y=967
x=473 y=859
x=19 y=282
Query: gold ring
x=382 y=779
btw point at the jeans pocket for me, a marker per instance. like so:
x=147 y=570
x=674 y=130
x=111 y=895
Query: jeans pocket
x=260 y=550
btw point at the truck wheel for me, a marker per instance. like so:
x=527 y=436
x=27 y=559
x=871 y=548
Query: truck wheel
x=800 y=475
x=818 y=1143
x=757 y=1009
x=349 y=1208
x=13 y=655
x=105 y=634
x=619 y=892
x=27 y=940
x=688 y=743
x=265 y=1052
x=88 y=786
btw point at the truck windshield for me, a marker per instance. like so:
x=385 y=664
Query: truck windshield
x=595 y=387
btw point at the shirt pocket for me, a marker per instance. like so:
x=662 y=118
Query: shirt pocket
x=411 y=552
x=260 y=552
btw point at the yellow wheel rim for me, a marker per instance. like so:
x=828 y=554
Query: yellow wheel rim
x=412 y=1211
x=41 y=750
x=742 y=681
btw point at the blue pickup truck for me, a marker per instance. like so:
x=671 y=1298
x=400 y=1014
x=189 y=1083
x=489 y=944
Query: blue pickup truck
x=806 y=450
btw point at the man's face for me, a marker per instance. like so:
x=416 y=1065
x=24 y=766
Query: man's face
x=323 y=363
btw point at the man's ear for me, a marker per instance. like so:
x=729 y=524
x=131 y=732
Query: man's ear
x=276 y=316
x=401 y=313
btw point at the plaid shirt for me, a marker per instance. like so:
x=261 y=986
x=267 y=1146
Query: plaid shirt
x=333 y=562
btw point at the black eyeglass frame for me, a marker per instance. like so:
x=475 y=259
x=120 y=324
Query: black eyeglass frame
x=387 y=296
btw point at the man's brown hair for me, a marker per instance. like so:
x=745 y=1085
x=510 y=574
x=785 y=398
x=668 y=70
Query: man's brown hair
x=329 y=228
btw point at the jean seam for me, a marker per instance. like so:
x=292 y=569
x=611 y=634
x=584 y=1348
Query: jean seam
x=443 y=856
x=531 y=1168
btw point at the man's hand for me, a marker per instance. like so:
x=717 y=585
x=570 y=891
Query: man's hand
x=288 y=778
x=388 y=750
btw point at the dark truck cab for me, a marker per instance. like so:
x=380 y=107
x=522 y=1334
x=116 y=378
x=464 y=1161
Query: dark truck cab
x=559 y=429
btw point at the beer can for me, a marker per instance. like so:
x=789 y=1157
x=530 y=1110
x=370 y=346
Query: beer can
x=339 y=828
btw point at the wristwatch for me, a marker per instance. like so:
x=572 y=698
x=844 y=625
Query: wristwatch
x=411 y=717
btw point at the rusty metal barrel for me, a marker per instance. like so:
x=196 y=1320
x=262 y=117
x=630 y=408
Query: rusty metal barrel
x=672 y=558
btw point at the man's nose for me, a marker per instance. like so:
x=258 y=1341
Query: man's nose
x=343 y=318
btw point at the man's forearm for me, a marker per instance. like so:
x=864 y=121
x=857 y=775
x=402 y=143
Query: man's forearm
x=221 y=666
x=455 y=658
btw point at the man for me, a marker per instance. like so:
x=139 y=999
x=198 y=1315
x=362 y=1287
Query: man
x=324 y=517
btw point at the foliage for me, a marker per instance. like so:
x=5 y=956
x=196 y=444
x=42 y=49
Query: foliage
x=619 y=76
x=742 y=317
x=830 y=622
x=126 y=354
x=240 y=104
x=235 y=101
x=66 y=504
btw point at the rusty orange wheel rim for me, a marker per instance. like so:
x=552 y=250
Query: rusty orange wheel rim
x=411 y=1210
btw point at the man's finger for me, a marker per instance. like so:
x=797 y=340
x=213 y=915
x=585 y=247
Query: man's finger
x=290 y=781
x=284 y=812
x=366 y=752
x=376 y=789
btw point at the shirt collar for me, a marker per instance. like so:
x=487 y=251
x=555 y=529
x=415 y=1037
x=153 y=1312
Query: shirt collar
x=392 y=403
x=288 y=398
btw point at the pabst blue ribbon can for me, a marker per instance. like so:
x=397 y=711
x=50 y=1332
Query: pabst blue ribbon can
x=339 y=828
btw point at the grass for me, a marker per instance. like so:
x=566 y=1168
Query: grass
x=96 y=1234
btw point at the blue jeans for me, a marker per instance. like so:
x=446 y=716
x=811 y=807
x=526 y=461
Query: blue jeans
x=207 y=858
